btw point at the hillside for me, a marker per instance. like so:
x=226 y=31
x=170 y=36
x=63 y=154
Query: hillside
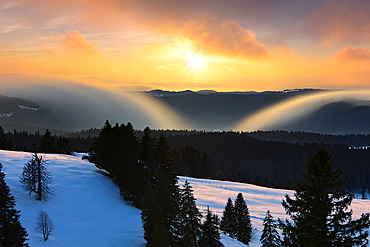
x=21 y=114
x=87 y=209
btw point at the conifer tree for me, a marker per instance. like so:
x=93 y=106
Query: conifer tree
x=210 y=231
x=101 y=149
x=28 y=178
x=47 y=143
x=189 y=218
x=147 y=148
x=154 y=221
x=228 y=219
x=62 y=146
x=320 y=210
x=36 y=177
x=11 y=231
x=270 y=237
x=243 y=225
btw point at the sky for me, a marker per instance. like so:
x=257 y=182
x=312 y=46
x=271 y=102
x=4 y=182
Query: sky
x=234 y=45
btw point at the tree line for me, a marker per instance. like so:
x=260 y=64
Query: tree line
x=145 y=172
x=241 y=158
x=43 y=143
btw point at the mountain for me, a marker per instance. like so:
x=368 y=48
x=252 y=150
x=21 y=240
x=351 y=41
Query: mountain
x=87 y=209
x=335 y=118
x=21 y=114
x=212 y=110
x=222 y=110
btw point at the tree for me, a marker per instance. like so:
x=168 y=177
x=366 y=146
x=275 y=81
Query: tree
x=154 y=221
x=320 y=211
x=63 y=146
x=36 y=178
x=44 y=224
x=210 y=231
x=47 y=143
x=11 y=231
x=28 y=178
x=228 y=219
x=188 y=217
x=270 y=237
x=243 y=230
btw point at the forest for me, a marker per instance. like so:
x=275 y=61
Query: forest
x=267 y=158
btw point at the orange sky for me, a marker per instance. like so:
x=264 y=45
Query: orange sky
x=235 y=45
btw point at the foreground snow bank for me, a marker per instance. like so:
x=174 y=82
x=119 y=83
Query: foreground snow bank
x=86 y=207
x=214 y=193
x=87 y=210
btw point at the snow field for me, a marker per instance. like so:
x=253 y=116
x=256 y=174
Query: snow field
x=87 y=209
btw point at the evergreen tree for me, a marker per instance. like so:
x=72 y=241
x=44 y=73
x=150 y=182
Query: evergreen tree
x=154 y=221
x=270 y=237
x=28 y=178
x=243 y=225
x=228 y=219
x=36 y=178
x=11 y=231
x=63 y=146
x=47 y=143
x=210 y=231
x=147 y=148
x=189 y=218
x=320 y=211
x=101 y=150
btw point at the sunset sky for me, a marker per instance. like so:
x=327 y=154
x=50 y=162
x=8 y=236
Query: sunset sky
x=234 y=45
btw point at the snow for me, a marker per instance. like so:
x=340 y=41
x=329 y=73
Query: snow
x=32 y=109
x=87 y=209
x=6 y=115
x=214 y=193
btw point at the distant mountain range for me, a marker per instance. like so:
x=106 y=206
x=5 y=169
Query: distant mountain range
x=211 y=110
x=204 y=110
x=20 y=114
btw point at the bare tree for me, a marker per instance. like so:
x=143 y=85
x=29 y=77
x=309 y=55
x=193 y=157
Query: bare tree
x=44 y=224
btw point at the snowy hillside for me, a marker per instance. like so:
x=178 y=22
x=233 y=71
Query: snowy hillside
x=87 y=209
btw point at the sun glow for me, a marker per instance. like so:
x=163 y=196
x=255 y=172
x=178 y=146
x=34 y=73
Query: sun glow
x=195 y=60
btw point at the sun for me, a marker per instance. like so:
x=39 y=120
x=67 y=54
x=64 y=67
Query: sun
x=196 y=61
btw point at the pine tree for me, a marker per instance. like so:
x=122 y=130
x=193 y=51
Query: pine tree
x=62 y=146
x=47 y=143
x=154 y=221
x=36 y=178
x=243 y=230
x=189 y=218
x=28 y=178
x=210 y=231
x=147 y=149
x=270 y=237
x=320 y=211
x=228 y=219
x=11 y=231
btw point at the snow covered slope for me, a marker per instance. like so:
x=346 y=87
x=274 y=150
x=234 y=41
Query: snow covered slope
x=214 y=193
x=87 y=210
x=86 y=207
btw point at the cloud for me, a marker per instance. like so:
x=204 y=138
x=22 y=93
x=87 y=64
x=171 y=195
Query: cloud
x=339 y=21
x=8 y=5
x=72 y=43
x=349 y=54
x=9 y=28
x=225 y=37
